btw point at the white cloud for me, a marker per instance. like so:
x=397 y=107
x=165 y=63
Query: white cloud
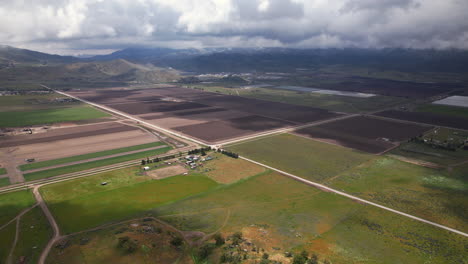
x=55 y=25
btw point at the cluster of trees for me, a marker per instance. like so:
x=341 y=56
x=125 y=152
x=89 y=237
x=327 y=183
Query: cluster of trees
x=148 y=160
x=447 y=145
x=202 y=151
x=228 y=153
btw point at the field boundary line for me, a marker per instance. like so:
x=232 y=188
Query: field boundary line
x=355 y=198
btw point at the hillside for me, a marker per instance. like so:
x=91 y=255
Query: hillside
x=14 y=56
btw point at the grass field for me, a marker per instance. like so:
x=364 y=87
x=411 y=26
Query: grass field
x=48 y=116
x=3 y=171
x=100 y=246
x=11 y=204
x=79 y=208
x=34 y=233
x=4 y=181
x=274 y=211
x=329 y=102
x=47 y=163
x=444 y=109
x=431 y=194
x=304 y=157
x=225 y=170
x=7 y=236
x=93 y=164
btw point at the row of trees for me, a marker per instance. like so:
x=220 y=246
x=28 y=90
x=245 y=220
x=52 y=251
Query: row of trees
x=228 y=153
x=157 y=159
x=202 y=151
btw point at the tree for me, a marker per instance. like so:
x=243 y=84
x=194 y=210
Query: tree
x=143 y=162
x=299 y=259
x=265 y=256
x=219 y=239
x=205 y=251
x=237 y=238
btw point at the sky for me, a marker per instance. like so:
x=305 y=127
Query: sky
x=101 y=26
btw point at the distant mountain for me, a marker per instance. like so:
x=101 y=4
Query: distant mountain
x=283 y=59
x=12 y=56
x=106 y=71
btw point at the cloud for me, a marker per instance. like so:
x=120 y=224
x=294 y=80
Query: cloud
x=71 y=26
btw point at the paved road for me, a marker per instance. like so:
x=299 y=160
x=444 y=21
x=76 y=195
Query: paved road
x=328 y=189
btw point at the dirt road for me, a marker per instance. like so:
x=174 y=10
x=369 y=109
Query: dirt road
x=52 y=222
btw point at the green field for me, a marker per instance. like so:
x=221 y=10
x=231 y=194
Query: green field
x=324 y=101
x=79 y=208
x=47 y=163
x=3 y=171
x=4 y=181
x=444 y=109
x=34 y=233
x=431 y=194
x=274 y=211
x=7 y=236
x=48 y=116
x=93 y=164
x=304 y=157
x=11 y=204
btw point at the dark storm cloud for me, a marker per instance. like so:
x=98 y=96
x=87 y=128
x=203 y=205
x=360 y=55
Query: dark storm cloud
x=100 y=25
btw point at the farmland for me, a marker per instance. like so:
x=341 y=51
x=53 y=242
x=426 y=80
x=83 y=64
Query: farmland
x=33 y=102
x=306 y=158
x=284 y=215
x=325 y=101
x=439 y=119
x=444 y=110
x=207 y=116
x=37 y=165
x=48 y=116
x=364 y=133
x=93 y=164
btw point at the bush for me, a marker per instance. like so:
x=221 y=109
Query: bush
x=127 y=244
x=219 y=239
x=177 y=241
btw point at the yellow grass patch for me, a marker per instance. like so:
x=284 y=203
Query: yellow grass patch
x=226 y=170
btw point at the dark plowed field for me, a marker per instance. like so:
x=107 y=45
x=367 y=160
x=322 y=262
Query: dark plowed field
x=364 y=133
x=64 y=133
x=292 y=113
x=427 y=118
x=159 y=106
x=236 y=127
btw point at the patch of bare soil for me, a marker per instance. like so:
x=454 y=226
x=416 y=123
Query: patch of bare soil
x=166 y=172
